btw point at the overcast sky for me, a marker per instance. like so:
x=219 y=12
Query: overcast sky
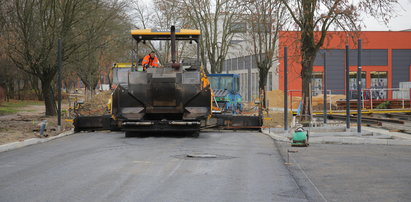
x=401 y=22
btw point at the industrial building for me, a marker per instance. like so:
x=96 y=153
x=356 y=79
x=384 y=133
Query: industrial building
x=386 y=62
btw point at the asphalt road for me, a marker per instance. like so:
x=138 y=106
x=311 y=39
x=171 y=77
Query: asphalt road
x=109 y=167
x=351 y=172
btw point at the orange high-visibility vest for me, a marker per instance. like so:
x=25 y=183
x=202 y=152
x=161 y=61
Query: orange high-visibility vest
x=150 y=61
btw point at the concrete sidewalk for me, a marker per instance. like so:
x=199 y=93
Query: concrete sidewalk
x=339 y=135
x=31 y=141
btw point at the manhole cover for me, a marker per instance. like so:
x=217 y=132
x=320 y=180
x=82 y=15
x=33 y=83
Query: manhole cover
x=199 y=156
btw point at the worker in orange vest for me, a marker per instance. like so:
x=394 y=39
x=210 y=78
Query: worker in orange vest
x=150 y=60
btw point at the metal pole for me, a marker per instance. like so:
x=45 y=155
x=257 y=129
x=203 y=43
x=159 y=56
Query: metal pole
x=173 y=44
x=359 y=85
x=59 y=63
x=347 y=85
x=285 y=89
x=135 y=67
x=325 y=89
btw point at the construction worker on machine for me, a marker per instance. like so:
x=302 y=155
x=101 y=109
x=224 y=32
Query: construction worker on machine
x=150 y=60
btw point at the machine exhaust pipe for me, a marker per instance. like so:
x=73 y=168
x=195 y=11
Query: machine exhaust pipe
x=174 y=64
x=173 y=44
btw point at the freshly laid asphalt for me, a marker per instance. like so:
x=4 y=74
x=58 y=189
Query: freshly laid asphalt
x=238 y=166
x=227 y=166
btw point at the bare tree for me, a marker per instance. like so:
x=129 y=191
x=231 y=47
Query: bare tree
x=32 y=32
x=169 y=13
x=9 y=76
x=322 y=15
x=104 y=30
x=164 y=14
x=266 y=18
x=214 y=19
x=31 y=40
x=2 y=15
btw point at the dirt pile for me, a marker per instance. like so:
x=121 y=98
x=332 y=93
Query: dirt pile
x=275 y=99
x=276 y=119
x=318 y=103
x=97 y=105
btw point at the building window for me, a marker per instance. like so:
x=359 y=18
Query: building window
x=353 y=80
x=245 y=86
x=256 y=85
x=225 y=65
x=262 y=27
x=252 y=86
x=238 y=27
x=379 y=83
x=228 y=65
x=241 y=84
x=254 y=62
x=317 y=83
x=353 y=84
x=241 y=63
x=234 y=64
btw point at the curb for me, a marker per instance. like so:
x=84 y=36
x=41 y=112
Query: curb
x=342 y=140
x=274 y=136
x=32 y=141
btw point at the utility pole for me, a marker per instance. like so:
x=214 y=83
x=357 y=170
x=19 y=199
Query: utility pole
x=59 y=64
x=347 y=85
x=325 y=89
x=359 y=85
x=285 y=89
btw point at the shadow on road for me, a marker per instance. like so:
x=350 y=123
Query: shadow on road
x=161 y=135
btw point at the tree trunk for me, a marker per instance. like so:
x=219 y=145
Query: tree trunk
x=48 y=97
x=10 y=90
x=308 y=53
x=109 y=81
x=92 y=92
x=18 y=90
x=263 y=72
x=212 y=67
x=67 y=86
x=35 y=86
x=307 y=62
x=6 y=93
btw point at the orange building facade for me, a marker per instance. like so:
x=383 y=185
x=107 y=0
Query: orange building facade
x=386 y=60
